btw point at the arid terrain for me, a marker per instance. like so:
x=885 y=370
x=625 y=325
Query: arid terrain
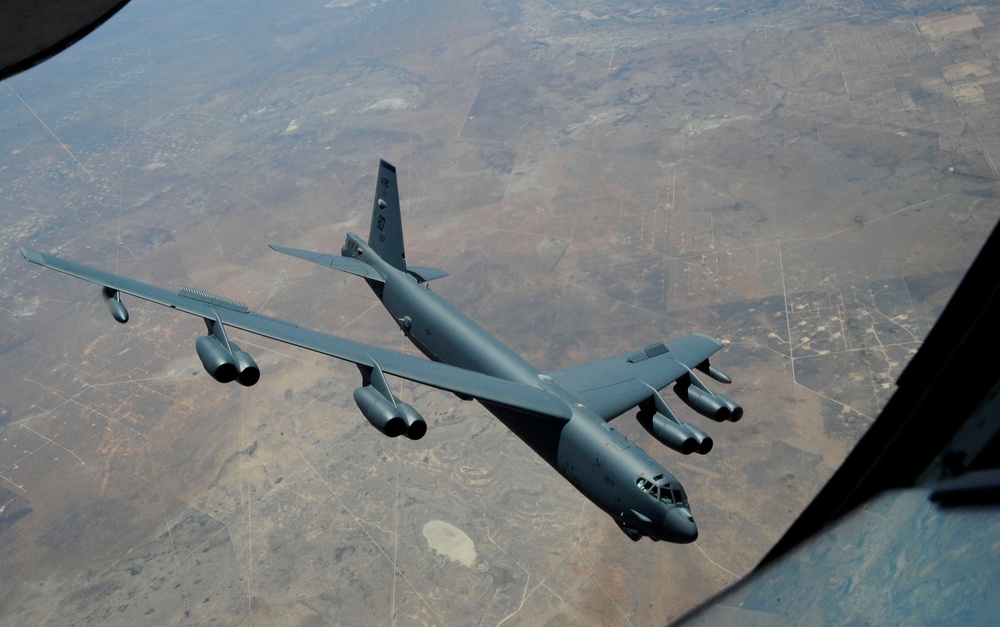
x=807 y=183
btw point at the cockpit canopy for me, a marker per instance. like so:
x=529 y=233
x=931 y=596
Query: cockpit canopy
x=665 y=492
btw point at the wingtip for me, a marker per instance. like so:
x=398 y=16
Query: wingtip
x=32 y=255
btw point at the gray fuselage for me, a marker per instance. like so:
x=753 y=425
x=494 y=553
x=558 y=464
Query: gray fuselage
x=607 y=468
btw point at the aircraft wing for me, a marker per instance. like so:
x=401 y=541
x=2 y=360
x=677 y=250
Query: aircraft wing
x=237 y=315
x=612 y=386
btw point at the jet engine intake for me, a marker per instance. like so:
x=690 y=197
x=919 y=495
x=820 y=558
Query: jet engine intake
x=248 y=373
x=416 y=426
x=705 y=403
x=735 y=411
x=704 y=440
x=381 y=413
x=673 y=434
x=380 y=406
x=217 y=361
x=224 y=360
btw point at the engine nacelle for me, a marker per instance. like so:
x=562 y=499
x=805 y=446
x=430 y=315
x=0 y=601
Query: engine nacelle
x=218 y=362
x=735 y=411
x=674 y=435
x=248 y=373
x=705 y=403
x=382 y=414
x=705 y=442
x=416 y=426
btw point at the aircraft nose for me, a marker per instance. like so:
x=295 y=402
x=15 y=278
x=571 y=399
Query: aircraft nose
x=679 y=526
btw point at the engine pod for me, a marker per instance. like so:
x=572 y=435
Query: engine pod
x=382 y=414
x=705 y=403
x=672 y=434
x=416 y=426
x=705 y=442
x=218 y=362
x=248 y=373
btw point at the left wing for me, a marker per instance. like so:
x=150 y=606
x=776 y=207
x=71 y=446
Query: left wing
x=612 y=386
x=217 y=310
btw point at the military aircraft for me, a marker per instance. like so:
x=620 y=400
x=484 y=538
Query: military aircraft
x=562 y=415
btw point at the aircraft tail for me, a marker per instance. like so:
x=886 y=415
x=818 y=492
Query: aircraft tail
x=385 y=238
x=386 y=235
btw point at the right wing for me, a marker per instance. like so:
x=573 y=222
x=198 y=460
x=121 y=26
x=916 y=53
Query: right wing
x=612 y=386
x=527 y=398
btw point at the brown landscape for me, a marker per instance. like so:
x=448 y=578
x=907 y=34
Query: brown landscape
x=806 y=183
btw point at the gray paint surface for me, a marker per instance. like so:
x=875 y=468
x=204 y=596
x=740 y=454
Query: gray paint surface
x=562 y=415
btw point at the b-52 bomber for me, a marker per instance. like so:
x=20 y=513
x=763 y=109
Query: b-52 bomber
x=562 y=415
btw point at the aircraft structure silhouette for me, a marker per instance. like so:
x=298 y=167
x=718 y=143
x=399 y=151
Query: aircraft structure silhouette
x=563 y=415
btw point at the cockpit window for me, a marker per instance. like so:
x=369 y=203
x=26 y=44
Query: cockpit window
x=643 y=484
x=669 y=494
x=679 y=496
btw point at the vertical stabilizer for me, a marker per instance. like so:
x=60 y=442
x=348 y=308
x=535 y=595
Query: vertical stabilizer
x=386 y=236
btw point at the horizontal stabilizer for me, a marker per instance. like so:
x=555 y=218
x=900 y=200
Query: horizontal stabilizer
x=426 y=275
x=344 y=264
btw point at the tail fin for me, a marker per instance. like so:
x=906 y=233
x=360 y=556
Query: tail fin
x=386 y=236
